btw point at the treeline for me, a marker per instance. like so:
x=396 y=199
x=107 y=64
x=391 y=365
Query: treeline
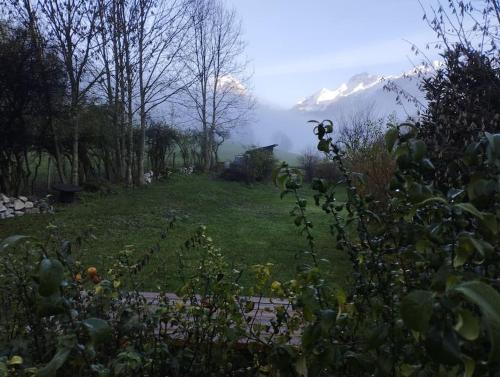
x=101 y=86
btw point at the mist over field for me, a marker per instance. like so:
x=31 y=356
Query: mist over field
x=289 y=127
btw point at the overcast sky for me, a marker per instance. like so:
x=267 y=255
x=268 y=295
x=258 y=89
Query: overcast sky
x=297 y=47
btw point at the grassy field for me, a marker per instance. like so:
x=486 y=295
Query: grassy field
x=251 y=225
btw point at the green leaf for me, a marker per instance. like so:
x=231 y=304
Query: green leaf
x=407 y=370
x=298 y=220
x=427 y=164
x=377 y=335
x=470 y=208
x=454 y=193
x=310 y=336
x=15 y=360
x=98 y=329
x=12 y=241
x=51 y=275
x=481 y=190
x=490 y=222
x=468 y=325
x=66 y=345
x=51 y=305
x=391 y=136
x=301 y=367
x=416 y=310
x=469 y=366
x=493 y=149
x=57 y=362
x=319 y=184
x=443 y=346
x=327 y=318
x=467 y=245
x=418 y=149
x=284 y=193
x=488 y=301
x=328 y=126
x=282 y=179
x=434 y=199
x=324 y=146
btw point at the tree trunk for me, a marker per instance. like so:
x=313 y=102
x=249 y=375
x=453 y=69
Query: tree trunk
x=142 y=141
x=74 y=166
x=57 y=152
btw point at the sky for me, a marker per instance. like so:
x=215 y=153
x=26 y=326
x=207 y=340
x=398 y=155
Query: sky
x=297 y=47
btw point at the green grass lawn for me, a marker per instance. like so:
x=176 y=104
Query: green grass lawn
x=251 y=225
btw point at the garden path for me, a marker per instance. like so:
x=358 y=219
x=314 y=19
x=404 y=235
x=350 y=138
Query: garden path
x=261 y=320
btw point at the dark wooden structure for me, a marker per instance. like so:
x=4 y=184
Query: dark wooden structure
x=66 y=192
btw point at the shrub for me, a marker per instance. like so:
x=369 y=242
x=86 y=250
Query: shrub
x=260 y=164
x=254 y=165
x=463 y=102
x=309 y=161
x=424 y=295
x=328 y=171
x=67 y=320
x=372 y=169
x=361 y=140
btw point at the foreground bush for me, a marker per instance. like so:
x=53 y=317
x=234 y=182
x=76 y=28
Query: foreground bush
x=423 y=299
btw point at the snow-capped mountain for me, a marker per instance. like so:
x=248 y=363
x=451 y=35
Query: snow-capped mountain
x=321 y=99
x=365 y=89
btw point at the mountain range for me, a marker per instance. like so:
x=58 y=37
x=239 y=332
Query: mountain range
x=381 y=94
x=365 y=89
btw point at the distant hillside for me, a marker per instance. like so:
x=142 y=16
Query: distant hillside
x=228 y=150
x=368 y=90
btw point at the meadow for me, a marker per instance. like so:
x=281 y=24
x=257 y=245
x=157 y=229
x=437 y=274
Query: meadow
x=249 y=223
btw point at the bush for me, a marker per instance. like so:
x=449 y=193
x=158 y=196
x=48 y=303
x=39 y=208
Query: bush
x=255 y=165
x=463 y=102
x=424 y=295
x=328 y=171
x=260 y=165
x=309 y=161
x=69 y=320
x=361 y=139
x=372 y=169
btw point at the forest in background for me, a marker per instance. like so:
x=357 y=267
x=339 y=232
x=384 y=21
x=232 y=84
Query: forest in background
x=100 y=89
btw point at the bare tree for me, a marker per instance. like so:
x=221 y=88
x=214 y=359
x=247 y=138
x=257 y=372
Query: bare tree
x=118 y=60
x=140 y=50
x=359 y=130
x=72 y=25
x=161 y=32
x=219 y=96
x=472 y=24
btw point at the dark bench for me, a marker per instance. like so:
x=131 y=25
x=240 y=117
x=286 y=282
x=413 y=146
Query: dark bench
x=66 y=192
